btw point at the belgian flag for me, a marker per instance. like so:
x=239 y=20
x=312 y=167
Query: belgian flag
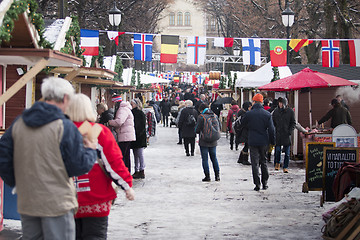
x=169 y=48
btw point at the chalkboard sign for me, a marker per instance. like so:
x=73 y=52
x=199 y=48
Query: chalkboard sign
x=333 y=161
x=314 y=164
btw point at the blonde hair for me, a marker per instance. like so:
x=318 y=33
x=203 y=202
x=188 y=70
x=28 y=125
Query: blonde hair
x=188 y=103
x=138 y=103
x=81 y=109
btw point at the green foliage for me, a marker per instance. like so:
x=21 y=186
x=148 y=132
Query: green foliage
x=234 y=81
x=222 y=82
x=229 y=80
x=73 y=36
x=133 y=78
x=119 y=67
x=19 y=7
x=276 y=74
x=138 y=85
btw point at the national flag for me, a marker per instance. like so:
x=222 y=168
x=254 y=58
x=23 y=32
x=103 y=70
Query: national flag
x=278 y=53
x=354 y=48
x=196 y=50
x=176 y=78
x=251 y=51
x=296 y=44
x=330 y=53
x=143 y=47
x=114 y=36
x=194 y=79
x=89 y=41
x=223 y=42
x=169 y=48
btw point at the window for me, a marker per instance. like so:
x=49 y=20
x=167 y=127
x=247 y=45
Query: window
x=187 y=19
x=208 y=20
x=172 y=19
x=207 y=44
x=179 y=44
x=185 y=43
x=179 y=19
x=213 y=24
x=213 y=44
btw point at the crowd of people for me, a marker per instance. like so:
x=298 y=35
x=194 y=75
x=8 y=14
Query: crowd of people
x=81 y=171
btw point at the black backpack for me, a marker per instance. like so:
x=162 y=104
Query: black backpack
x=211 y=129
x=190 y=120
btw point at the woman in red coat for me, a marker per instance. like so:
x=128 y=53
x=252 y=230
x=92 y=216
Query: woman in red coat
x=94 y=189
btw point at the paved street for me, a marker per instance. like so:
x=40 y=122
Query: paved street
x=173 y=203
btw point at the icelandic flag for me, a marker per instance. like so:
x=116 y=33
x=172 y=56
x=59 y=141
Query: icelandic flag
x=330 y=53
x=196 y=50
x=89 y=41
x=143 y=47
x=354 y=48
x=251 y=51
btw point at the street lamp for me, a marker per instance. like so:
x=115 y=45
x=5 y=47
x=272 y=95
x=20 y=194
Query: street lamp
x=288 y=20
x=236 y=50
x=114 y=19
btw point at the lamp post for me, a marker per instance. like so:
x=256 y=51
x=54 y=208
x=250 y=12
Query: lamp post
x=114 y=19
x=288 y=20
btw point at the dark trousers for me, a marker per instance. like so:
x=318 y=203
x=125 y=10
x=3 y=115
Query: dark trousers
x=245 y=148
x=165 y=120
x=91 y=228
x=258 y=159
x=232 y=138
x=180 y=137
x=125 y=150
x=191 y=142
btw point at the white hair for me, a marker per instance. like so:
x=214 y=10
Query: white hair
x=55 y=89
x=81 y=109
x=188 y=103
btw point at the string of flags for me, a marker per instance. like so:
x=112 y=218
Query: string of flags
x=196 y=48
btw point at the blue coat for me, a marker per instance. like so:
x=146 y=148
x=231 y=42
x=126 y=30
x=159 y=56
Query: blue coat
x=261 y=131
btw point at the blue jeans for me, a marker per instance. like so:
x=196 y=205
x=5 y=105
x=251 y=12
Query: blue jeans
x=278 y=155
x=205 y=164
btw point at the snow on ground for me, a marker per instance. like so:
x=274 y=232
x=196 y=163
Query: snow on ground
x=173 y=203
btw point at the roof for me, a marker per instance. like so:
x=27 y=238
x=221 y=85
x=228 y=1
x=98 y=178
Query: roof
x=343 y=71
x=55 y=31
x=4 y=6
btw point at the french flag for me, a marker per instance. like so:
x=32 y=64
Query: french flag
x=223 y=42
x=354 y=48
x=89 y=41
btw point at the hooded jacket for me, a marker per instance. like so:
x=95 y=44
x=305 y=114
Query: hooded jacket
x=39 y=153
x=124 y=123
x=234 y=109
x=284 y=122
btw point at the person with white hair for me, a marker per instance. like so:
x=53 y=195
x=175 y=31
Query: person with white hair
x=40 y=153
x=96 y=194
x=187 y=123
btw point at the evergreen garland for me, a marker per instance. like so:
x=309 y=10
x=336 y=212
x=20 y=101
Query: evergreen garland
x=138 y=85
x=229 y=82
x=119 y=67
x=73 y=34
x=222 y=83
x=19 y=7
x=276 y=74
x=133 y=76
x=234 y=81
x=99 y=58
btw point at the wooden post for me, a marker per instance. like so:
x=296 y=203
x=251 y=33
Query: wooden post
x=23 y=80
x=71 y=75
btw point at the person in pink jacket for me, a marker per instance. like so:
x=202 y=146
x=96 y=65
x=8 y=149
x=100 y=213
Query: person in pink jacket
x=125 y=130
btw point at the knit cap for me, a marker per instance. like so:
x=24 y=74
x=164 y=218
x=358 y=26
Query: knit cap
x=258 y=98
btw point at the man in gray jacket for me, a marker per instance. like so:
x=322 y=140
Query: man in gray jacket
x=40 y=153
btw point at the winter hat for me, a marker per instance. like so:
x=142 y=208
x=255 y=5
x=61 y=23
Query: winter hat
x=258 y=98
x=116 y=98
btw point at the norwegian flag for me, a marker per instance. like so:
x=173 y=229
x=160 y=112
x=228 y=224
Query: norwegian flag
x=143 y=47
x=82 y=183
x=330 y=53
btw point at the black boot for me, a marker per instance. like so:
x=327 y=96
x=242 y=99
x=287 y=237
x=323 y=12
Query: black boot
x=207 y=178
x=241 y=156
x=139 y=175
x=217 y=177
x=245 y=159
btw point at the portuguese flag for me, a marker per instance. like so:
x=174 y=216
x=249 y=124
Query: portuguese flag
x=278 y=52
x=169 y=48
